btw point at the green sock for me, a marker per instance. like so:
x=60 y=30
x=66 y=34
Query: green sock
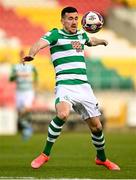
x=54 y=131
x=99 y=143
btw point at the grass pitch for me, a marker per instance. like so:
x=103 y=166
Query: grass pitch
x=72 y=156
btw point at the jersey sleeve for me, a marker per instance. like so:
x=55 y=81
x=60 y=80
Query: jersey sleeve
x=12 y=74
x=86 y=38
x=51 y=36
x=35 y=74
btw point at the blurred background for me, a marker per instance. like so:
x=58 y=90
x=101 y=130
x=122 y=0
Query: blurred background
x=111 y=69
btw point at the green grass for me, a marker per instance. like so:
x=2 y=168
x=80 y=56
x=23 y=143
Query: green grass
x=72 y=156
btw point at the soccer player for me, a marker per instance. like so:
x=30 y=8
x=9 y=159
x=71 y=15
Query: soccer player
x=72 y=87
x=25 y=77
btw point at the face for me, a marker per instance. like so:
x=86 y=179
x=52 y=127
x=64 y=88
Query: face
x=70 y=22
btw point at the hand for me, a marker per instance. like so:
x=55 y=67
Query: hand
x=27 y=58
x=105 y=43
x=95 y=41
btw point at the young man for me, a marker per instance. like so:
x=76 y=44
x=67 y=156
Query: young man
x=25 y=78
x=72 y=87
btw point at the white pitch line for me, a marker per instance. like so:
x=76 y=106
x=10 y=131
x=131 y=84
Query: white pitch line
x=31 y=178
x=3 y=177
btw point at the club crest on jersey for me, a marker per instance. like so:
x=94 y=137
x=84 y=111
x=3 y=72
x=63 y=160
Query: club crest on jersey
x=77 y=45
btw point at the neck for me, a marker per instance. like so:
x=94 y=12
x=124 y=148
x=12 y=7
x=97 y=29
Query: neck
x=69 y=32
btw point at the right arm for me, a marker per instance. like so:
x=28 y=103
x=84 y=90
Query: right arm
x=48 y=39
x=13 y=75
x=41 y=44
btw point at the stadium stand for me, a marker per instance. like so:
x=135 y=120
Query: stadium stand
x=121 y=20
x=83 y=6
x=102 y=78
x=7 y=92
x=43 y=19
x=26 y=3
x=127 y=3
x=24 y=17
x=19 y=26
x=110 y=69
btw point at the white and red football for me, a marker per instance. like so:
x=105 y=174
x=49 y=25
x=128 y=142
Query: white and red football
x=92 y=21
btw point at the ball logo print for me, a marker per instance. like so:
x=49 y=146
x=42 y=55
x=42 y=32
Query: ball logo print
x=92 y=21
x=92 y=17
x=94 y=26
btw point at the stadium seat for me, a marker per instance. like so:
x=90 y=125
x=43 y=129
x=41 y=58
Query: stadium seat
x=101 y=77
x=25 y=31
x=84 y=6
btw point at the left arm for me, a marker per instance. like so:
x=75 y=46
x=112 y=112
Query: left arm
x=35 y=73
x=95 y=42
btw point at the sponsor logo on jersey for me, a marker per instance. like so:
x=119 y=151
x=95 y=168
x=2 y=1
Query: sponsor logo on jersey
x=77 y=45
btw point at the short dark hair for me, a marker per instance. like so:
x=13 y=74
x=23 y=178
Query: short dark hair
x=68 y=9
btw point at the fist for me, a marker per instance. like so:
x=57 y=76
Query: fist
x=105 y=43
x=27 y=58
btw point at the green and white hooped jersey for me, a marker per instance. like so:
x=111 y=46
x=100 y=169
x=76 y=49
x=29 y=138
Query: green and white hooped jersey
x=24 y=76
x=67 y=53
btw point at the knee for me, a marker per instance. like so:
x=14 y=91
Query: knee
x=97 y=128
x=63 y=115
x=94 y=124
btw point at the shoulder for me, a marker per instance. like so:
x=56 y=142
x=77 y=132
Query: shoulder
x=51 y=36
x=34 y=68
x=54 y=31
x=83 y=33
x=15 y=66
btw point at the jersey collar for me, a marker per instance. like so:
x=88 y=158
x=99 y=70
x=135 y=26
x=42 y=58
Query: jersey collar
x=62 y=31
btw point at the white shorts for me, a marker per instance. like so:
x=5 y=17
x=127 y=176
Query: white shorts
x=80 y=97
x=24 y=99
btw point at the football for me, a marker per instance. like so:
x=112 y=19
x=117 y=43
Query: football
x=92 y=21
